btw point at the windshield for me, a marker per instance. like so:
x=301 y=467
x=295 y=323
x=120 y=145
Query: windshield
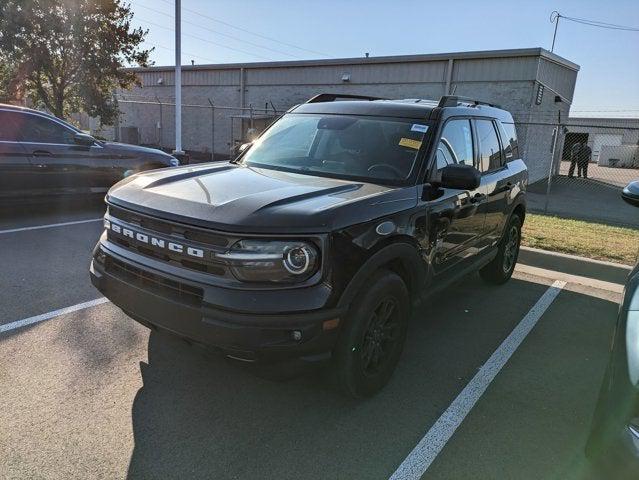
x=344 y=146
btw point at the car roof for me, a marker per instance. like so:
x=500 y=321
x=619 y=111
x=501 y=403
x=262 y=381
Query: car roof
x=18 y=108
x=415 y=108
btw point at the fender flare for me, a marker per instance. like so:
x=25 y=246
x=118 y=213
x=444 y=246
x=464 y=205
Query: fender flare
x=520 y=199
x=406 y=253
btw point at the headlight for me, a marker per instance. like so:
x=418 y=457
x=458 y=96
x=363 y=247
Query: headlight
x=174 y=162
x=278 y=261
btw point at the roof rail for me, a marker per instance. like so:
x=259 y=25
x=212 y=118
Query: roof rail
x=331 y=97
x=455 y=100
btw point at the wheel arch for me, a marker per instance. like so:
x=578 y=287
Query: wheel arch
x=520 y=210
x=400 y=257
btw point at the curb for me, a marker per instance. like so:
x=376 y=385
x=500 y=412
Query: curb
x=568 y=278
x=573 y=265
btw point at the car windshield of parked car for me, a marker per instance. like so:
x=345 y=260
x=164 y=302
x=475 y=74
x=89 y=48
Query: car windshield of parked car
x=373 y=149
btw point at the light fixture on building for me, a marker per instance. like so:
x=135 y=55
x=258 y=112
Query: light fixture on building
x=346 y=77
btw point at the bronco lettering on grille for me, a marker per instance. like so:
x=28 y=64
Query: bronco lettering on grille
x=153 y=241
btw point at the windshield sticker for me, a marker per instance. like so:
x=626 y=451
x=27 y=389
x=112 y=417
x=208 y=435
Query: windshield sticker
x=410 y=143
x=418 y=127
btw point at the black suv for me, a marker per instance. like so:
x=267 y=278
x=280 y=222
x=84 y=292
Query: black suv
x=41 y=155
x=318 y=240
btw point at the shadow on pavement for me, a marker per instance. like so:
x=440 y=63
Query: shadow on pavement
x=198 y=416
x=29 y=212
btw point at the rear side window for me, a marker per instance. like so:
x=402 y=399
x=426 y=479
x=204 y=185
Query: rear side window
x=455 y=144
x=42 y=130
x=509 y=139
x=10 y=126
x=489 y=150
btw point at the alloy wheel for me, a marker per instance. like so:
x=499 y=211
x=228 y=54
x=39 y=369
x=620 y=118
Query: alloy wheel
x=511 y=248
x=380 y=337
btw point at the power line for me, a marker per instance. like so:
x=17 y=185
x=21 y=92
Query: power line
x=200 y=14
x=596 y=23
x=173 y=50
x=555 y=16
x=221 y=33
x=205 y=40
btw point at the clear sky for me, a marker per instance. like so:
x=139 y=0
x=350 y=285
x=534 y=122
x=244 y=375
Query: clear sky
x=607 y=84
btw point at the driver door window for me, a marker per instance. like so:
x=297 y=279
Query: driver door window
x=445 y=155
x=456 y=144
x=38 y=129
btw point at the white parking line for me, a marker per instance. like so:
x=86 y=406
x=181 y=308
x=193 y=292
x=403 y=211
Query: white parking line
x=425 y=452
x=55 y=313
x=51 y=225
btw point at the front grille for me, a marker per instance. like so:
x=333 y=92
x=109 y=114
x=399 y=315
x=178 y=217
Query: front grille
x=186 y=235
x=176 y=260
x=169 y=228
x=177 y=291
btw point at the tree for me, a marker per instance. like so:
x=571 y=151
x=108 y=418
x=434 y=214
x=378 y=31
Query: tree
x=8 y=76
x=69 y=55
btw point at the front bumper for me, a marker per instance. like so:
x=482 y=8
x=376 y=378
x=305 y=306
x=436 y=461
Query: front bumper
x=160 y=300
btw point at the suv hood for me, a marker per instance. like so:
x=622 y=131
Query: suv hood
x=238 y=198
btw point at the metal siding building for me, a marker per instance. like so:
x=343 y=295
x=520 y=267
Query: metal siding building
x=614 y=142
x=509 y=78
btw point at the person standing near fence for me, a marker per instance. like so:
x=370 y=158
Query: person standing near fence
x=574 y=155
x=580 y=154
x=585 y=153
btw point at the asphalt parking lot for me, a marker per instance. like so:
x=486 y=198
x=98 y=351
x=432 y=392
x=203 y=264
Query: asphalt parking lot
x=92 y=394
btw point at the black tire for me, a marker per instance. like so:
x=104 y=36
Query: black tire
x=501 y=268
x=367 y=335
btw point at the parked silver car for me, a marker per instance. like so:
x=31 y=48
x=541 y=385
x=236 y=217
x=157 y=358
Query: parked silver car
x=613 y=445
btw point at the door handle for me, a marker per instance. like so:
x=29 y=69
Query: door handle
x=41 y=153
x=504 y=188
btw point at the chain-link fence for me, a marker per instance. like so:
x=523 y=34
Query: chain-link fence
x=589 y=161
x=209 y=131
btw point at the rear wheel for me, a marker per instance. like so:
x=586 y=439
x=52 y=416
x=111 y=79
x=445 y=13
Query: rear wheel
x=501 y=268
x=373 y=336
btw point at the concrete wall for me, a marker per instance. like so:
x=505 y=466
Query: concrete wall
x=508 y=78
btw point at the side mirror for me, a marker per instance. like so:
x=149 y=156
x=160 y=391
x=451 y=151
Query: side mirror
x=460 y=177
x=630 y=194
x=83 y=139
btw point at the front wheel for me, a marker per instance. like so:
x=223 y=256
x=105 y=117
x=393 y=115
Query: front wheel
x=501 y=268
x=373 y=336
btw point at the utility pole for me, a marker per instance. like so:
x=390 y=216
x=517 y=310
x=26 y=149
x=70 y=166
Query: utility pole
x=554 y=18
x=178 y=80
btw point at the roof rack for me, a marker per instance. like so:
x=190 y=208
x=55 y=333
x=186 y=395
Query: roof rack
x=454 y=100
x=331 y=97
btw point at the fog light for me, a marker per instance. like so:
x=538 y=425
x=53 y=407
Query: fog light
x=100 y=257
x=296 y=335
